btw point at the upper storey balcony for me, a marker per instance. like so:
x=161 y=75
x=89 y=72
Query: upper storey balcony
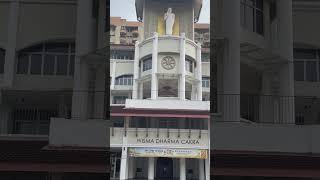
x=167 y=67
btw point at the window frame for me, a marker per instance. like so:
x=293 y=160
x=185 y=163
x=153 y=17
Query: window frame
x=70 y=53
x=244 y=6
x=306 y=60
x=124 y=80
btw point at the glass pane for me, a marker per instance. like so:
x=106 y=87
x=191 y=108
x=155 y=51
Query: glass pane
x=304 y=53
x=311 y=71
x=71 y=65
x=48 y=67
x=2 y=60
x=36 y=61
x=62 y=64
x=299 y=71
x=23 y=64
x=57 y=47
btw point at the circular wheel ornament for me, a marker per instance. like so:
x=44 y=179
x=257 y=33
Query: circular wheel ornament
x=168 y=62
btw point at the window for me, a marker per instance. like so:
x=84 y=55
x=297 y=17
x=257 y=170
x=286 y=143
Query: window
x=189 y=65
x=54 y=58
x=2 y=60
x=311 y=71
x=119 y=99
x=306 y=65
x=299 y=70
x=205 y=81
x=32 y=121
x=147 y=64
x=23 y=64
x=36 y=63
x=205 y=57
x=62 y=65
x=124 y=80
x=251 y=15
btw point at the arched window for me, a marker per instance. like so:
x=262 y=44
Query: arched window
x=126 y=80
x=2 y=59
x=205 y=81
x=50 y=58
x=147 y=64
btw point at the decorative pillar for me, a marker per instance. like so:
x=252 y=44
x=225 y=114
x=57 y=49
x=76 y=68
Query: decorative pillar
x=182 y=82
x=113 y=75
x=154 y=78
x=85 y=43
x=231 y=62
x=201 y=169
x=124 y=164
x=199 y=73
x=131 y=168
x=207 y=167
x=182 y=169
x=10 y=54
x=135 y=72
x=151 y=169
x=286 y=75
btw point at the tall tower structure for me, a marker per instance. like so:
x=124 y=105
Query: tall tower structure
x=168 y=61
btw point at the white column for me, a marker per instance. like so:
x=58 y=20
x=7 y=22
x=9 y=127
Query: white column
x=85 y=43
x=151 y=169
x=113 y=75
x=287 y=111
x=182 y=82
x=124 y=164
x=10 y=54
x=201 y=169
x=207 y=167
x=131 y=168
x=199 y=73
x=182 y=169
x=154 y=78
x=231 y=62
x=135 y=72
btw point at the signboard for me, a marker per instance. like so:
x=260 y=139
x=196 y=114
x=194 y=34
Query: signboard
x=168 y=152
x=183 y=139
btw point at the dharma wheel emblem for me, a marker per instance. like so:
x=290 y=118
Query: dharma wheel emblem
x=168 y=62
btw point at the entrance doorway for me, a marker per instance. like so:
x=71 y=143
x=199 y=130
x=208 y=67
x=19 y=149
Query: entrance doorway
x=164 y=169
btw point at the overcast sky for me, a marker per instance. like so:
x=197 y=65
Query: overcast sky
x=126 y=10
